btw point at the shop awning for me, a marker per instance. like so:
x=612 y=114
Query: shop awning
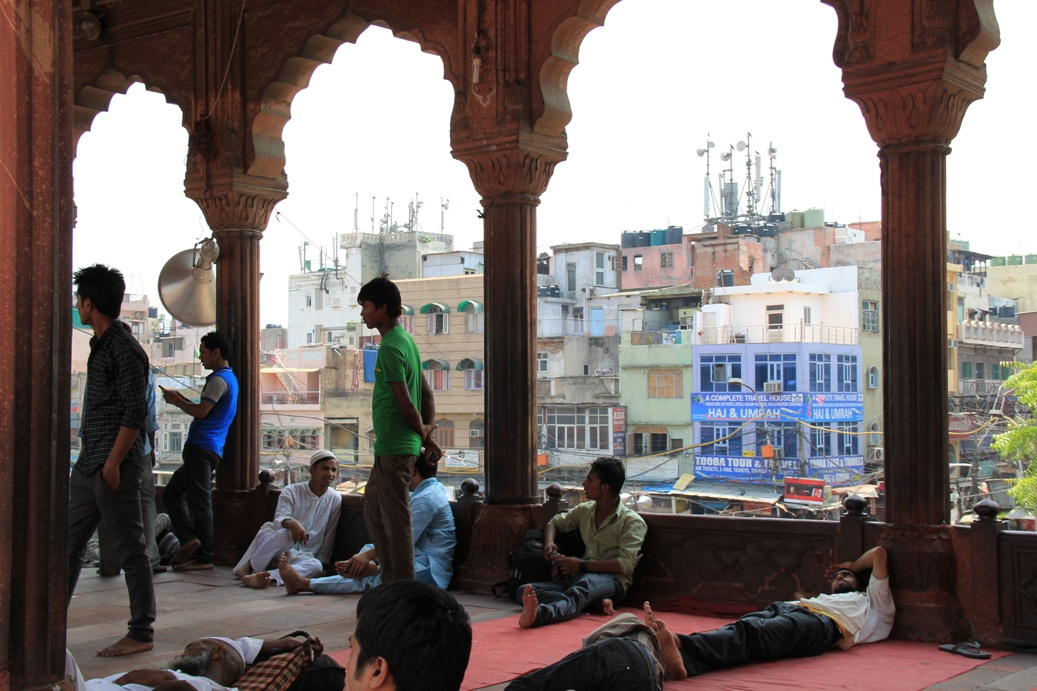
x=435 y=305
x=407 y=310
x=470 y=306
x=470 y=363
x=435 y=363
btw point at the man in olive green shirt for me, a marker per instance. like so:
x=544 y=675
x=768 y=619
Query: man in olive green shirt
x=403 y=409
x=612 y=534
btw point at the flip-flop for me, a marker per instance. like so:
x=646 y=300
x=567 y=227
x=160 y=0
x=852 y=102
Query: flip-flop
x=966 y=649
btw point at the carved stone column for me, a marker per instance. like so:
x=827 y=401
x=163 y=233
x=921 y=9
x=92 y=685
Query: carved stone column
x=238 y=207
x=36 y=216
x=510 y=176
x=913 y=87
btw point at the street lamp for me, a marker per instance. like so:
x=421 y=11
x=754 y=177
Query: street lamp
x=767 y=448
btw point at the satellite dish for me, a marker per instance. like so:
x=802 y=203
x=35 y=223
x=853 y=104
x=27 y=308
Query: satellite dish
x=740 y=146
x=187 y=285
x=777 y=274
x=700 y=152
x=726 y=156
x=789 y=274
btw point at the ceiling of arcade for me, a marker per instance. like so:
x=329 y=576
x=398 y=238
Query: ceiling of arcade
x=234 y=68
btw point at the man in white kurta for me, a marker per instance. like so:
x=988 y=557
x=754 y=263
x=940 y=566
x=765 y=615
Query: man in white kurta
x=303 y=528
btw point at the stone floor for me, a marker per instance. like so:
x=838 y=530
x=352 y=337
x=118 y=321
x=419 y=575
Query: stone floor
x=194 y=604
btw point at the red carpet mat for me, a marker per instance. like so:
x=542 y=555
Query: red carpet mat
x=502 y=651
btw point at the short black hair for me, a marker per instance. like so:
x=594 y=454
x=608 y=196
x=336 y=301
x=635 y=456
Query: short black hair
x=421 y=632
x=426 y=469
x=381 y=291
x=214 y=340
x=104 y=286
x=610 y=471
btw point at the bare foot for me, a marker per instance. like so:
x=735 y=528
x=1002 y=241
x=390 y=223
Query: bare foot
x=658 y=626
x=672 y=661
x=293 y=582
x=529 y=607
x=257 y=580
x=607 y=607
x=243 y=570
x=125 y=646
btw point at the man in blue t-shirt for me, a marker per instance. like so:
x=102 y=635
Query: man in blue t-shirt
x=187 y=497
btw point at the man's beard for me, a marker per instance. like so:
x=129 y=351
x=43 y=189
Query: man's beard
x=194 y=664
x=844 y=588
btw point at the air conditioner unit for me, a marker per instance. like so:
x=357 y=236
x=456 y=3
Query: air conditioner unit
x=877 y=454
x=600 y=372
x=778 y=453
x=772 y=387
x=335 y=302
x=475 y=432
x=952 y=343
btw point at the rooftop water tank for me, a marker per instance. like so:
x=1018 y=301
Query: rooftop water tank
x=1015 y=260
x=658 y=238
x=627 y=239
x=997 y=261
x=674 y=235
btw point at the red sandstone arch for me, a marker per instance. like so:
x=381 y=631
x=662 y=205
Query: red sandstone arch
x=566 y=39
x=274 y=107
x=96 y=98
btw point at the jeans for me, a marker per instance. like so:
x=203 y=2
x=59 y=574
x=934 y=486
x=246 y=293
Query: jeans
x=93 y=503
x=192 y=518
x=781 y=631
x=563 y=599
x=611 y=664
x=387 y=515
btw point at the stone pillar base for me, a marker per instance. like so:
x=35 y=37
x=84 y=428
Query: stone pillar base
x=236 y=517
x=496 y=530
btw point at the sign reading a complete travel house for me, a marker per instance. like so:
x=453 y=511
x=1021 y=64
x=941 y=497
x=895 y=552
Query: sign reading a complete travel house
x=739 y=407
x=812 y=407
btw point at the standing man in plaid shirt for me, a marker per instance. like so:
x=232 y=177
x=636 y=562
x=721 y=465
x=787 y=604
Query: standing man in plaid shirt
x=104 y=488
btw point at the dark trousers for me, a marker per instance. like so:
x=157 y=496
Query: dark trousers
x=781 y=631
x=91 y=503
x=188 y=500
x=611 y=664
x=565 y=598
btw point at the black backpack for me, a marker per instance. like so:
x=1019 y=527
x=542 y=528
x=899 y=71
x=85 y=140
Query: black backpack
x=526 y=564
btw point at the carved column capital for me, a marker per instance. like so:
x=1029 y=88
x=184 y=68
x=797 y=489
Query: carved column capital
x=513 y=167
x=235 y=200
x=938 y=64
x=921 y=104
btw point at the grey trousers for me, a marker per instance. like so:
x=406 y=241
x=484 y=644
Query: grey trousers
x=93 y=503
x=387 y=516
x=110 y=565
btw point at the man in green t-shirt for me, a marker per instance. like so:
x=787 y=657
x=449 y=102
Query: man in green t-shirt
x=403 y=409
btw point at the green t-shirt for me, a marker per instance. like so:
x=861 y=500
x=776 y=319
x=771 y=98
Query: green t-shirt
x=398 y=360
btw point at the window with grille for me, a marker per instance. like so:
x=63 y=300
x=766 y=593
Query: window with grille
x=576 y=427
x=820 y=372
x=726 y=439
x=847 y=373
x=541 y=362
x=665 y=383
x=716 y=370
x=438 y=321
x=870 y=316
x=666 y=260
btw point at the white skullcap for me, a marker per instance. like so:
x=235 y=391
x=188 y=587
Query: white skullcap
x=247 y=648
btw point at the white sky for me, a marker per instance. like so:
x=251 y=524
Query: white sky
x=376 y=123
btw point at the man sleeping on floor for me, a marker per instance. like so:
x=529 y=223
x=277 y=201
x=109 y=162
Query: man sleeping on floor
x=624 y=657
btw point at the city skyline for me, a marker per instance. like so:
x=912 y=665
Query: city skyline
x=632 y=142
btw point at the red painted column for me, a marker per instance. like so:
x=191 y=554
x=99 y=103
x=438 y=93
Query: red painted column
x=511 y=176
x=914 y=75
x=36 y=217
x=238 y=208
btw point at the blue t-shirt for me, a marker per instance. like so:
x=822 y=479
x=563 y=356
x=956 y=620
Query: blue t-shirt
x=210 y=432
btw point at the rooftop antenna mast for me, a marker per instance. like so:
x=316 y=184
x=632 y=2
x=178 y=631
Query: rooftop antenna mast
x=444 y=204
x=356 y=213
x=707 y=188
x=750 y=185
x=775 y=181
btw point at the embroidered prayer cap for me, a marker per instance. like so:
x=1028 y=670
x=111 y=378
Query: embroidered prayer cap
x=322 y=455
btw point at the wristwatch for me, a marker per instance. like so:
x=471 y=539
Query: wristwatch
x=583 y=566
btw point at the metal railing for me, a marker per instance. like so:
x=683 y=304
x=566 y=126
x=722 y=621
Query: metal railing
x=787 y=333
x=290 y=398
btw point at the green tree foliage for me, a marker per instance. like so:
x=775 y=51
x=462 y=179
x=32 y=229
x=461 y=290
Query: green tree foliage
x=1019 y=443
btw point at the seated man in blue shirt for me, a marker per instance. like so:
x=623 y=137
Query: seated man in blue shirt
x=612 y=534
x=432 y=525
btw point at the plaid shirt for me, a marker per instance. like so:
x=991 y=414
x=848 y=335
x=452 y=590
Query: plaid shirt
x=116 y=396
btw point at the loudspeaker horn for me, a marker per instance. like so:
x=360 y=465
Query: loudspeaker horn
x=187 y=284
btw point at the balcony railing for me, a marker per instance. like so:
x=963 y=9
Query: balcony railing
x=290 y=398
x=674 y=337
x=788 y=333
